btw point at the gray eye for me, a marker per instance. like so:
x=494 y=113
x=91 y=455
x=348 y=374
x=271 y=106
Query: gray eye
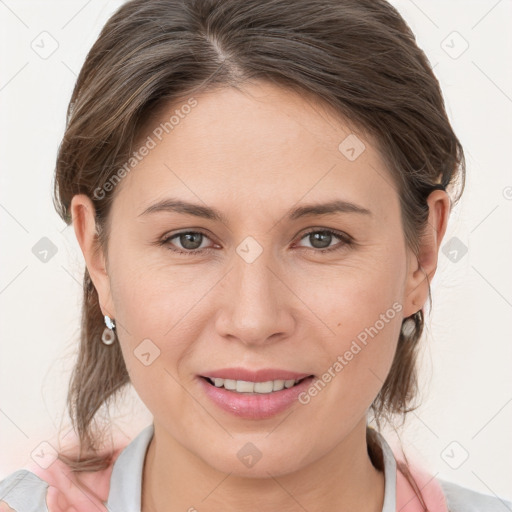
x=320 y=239
x=191 y=240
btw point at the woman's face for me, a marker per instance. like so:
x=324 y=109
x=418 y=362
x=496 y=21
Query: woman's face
x=257 y=289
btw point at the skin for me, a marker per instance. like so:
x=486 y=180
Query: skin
x=293 y=307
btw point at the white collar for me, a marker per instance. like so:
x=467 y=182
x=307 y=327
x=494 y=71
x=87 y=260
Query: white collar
x=126 y=477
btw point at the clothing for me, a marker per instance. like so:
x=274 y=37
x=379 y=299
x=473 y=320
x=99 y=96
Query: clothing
x=118 y=487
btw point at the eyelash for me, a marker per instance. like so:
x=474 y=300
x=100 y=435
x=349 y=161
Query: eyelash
x=346 y=239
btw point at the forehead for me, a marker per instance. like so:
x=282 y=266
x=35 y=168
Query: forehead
x=264 y=146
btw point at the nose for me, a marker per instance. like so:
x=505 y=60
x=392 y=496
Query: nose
x=255 y=304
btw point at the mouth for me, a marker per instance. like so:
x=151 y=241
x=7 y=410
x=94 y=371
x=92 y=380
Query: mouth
x=246 y=387
x=254 y=395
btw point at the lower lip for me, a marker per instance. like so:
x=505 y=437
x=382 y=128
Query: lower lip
x=257 y=406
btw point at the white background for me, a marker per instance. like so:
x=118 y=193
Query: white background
x=465 y=372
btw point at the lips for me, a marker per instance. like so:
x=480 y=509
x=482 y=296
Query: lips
x=254 y=394
x=261 y=375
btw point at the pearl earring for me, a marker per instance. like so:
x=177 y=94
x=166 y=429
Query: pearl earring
x=108 y=337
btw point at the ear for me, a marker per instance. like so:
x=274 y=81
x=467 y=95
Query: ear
x=425 y=263
x=83 y=214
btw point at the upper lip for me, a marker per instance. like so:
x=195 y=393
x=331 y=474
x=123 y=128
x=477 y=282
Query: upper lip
x=261 y=375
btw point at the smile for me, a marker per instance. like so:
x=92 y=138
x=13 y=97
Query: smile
x=254 y=399
x=249 y=387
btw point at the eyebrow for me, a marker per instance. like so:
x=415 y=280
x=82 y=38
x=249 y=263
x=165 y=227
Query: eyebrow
x=178 y=206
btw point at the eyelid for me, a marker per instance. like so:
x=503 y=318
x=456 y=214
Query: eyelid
x=165 y=240
x=345 y=240
x=320 y=229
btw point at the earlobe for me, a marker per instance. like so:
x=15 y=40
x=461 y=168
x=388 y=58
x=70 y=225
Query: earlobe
x=422 y=267
x=83 y=216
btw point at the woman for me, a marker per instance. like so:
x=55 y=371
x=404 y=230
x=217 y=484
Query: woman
x=260 y=191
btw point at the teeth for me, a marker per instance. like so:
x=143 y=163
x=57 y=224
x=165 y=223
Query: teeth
x=244 y=386
x=279 y=384
x=262 y=387
x=230 y=384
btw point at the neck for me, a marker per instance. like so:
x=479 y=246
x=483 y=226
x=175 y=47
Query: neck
x=344 y=480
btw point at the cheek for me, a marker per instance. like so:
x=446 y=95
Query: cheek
x=356 y=294
x=358 y=361
x=162 y=307
x=153 y=297
x=362 y=306
x=157 y=308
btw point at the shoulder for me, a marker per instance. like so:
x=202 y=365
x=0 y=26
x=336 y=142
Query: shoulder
x=23 y=491
x=49 y=484
x=56 y=488
x=462 y=499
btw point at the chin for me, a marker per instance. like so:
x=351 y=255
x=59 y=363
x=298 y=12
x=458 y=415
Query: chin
x=250 y=462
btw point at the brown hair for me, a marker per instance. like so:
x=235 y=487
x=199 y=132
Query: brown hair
x=357 y=57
